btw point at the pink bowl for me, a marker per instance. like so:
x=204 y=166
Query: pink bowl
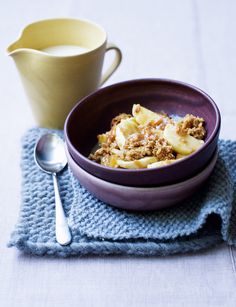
x=139 y=198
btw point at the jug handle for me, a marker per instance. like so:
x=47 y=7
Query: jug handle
x=114 y=65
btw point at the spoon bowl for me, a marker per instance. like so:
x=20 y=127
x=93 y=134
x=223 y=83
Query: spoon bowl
x=50 y=153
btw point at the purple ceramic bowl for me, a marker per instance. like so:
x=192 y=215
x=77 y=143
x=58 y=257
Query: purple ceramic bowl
x=137 y=198
x=92 y=116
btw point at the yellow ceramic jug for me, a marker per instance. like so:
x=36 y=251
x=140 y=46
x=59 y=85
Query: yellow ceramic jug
x=60 y=61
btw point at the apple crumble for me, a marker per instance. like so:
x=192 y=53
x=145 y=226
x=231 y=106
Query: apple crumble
x=148 y=139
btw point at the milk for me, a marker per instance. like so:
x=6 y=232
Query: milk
x=65 y=50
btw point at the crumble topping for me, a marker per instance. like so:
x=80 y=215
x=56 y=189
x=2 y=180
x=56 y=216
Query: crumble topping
x=193 y=126
x=148 y=134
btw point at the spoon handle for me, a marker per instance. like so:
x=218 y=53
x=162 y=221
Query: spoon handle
x=63 y=234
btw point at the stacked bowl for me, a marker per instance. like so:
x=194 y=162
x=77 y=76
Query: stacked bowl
x=141 y=189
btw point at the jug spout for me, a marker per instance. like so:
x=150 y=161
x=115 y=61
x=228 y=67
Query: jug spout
x=15 y=48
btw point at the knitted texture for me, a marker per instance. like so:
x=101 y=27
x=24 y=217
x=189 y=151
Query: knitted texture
x=206 y=219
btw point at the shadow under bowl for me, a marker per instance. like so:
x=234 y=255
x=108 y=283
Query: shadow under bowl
x=92 y=116
x=140 y=198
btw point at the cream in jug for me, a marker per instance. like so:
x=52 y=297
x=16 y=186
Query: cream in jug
x=60 y=61
x=65 y=50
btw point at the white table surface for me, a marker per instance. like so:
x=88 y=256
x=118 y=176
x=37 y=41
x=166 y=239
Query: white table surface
x=193 y=41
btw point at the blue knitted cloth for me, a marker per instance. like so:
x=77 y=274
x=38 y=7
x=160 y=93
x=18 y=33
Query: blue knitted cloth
x=206 y=219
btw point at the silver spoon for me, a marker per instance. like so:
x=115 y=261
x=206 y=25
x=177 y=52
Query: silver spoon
x=51 y=158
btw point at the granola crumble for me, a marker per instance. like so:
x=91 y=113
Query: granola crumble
x=145 y=138
x=192 y=125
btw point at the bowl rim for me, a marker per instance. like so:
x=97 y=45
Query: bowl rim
x=85 y=159
x=211 y=165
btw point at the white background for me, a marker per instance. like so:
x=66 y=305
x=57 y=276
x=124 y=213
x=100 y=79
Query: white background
x=192 y=41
